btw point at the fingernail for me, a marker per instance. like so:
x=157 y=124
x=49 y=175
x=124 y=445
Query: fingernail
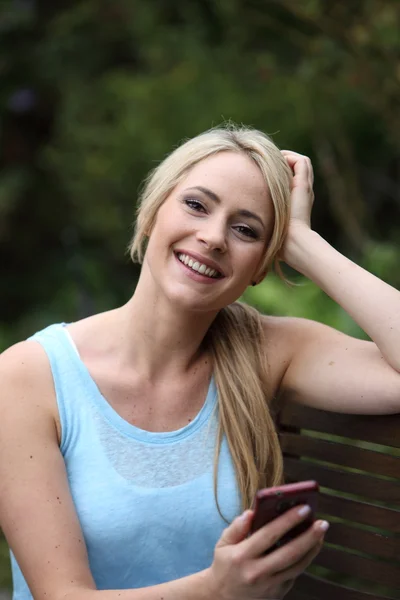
x=304 y=510
x=243 y=517
x=324 y=525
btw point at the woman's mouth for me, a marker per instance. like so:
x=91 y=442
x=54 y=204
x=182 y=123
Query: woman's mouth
x=198 y=267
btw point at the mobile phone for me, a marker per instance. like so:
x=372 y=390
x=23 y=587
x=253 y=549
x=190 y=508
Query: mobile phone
x=269 y=503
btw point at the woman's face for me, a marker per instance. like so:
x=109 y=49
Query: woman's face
x=210 y=235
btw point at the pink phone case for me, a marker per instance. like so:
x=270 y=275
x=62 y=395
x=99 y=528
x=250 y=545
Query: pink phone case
x=272 y=502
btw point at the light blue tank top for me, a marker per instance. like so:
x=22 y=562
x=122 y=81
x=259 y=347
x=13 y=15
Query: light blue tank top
x=145 y=500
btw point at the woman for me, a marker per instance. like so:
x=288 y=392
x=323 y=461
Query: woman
x=131 y=438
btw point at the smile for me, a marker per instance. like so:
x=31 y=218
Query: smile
x=198 y=267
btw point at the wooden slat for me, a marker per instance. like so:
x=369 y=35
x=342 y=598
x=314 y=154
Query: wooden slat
x=360 y=512
x=316 y=588
x=341 y=454
x=358 y=566
x=379 y=429
x=368 y=542
x=383 y=430
x=337 y=479
x=296 y=595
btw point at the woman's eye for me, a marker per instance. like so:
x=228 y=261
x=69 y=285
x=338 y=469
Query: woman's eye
x=194 y=204
x=246 y=231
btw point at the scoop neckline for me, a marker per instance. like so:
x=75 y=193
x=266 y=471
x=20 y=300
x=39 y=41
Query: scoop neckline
x=123 y=426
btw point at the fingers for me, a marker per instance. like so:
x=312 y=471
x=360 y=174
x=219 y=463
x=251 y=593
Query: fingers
x=237 y=530
x=301 y=165
x=288 y=575
x=267 y=536
x=296 y=555
x=287 y=563
x=240 y=567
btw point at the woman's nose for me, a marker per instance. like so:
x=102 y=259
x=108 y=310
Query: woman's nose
x=213 y=235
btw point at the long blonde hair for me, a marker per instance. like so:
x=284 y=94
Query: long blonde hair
x=235 y=338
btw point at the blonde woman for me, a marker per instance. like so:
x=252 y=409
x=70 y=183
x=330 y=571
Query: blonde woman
x=132 y=442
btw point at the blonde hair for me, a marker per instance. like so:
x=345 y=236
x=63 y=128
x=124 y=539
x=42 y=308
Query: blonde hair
x=236 y=337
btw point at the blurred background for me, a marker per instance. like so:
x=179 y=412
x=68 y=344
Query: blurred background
x=94 y=93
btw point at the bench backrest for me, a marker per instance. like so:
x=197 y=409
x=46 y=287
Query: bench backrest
x=356 y=460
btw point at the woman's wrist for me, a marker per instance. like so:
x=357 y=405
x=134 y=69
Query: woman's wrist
x=301 y=246
x=199 y=586
x=208 y=585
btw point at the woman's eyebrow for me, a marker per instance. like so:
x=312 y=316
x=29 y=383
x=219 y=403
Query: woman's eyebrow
x=250 y=215
x=215 y=198
x=212 y=195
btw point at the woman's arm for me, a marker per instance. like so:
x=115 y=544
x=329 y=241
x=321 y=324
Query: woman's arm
x=343 y=372
x=372 y=303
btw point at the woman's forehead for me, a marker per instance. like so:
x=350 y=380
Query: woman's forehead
x=229 y=173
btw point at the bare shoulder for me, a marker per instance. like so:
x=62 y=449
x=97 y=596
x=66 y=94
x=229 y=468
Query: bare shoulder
x=291 y=330
x=285 y=337
x=26 y=380
x=21 y=357
x=322 y=367
x=282 y=332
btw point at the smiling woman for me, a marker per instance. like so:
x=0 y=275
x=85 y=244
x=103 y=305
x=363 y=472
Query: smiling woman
x=138 y=434
x=254 y=150
x=225 y=205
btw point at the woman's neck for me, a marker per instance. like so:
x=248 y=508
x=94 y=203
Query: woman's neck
x=159 y=338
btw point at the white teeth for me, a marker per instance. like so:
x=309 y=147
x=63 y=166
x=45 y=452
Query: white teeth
x=196 y=266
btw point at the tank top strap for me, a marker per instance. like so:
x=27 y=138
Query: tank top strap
x=69 y=381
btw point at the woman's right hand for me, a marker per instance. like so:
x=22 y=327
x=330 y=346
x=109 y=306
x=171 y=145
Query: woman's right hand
x=240 y=571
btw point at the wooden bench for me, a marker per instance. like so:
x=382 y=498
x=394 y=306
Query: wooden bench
x=360 y=497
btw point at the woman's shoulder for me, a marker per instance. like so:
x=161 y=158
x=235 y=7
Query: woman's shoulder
x=289 y=333
x=23 y=360
x=26 y=381
x=286 y=329
x=284 y=337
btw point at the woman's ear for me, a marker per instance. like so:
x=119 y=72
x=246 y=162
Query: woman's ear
x=260 y=277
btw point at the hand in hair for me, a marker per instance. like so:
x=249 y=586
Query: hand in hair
x=302 y=195
x=241 y=571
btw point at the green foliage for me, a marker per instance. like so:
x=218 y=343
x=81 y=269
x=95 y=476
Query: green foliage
x=114 y=86
x=5 y=574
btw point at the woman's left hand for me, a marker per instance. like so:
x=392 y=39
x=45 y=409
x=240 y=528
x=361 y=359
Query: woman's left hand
x=302 y=195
